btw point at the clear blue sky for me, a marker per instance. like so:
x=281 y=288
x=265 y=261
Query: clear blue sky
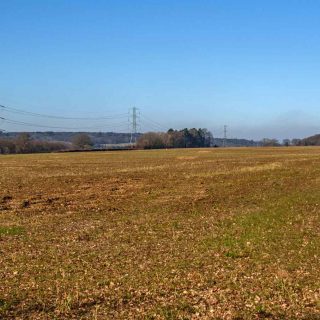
x=253 y=65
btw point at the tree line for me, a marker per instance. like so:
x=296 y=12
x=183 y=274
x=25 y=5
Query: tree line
x=186 y=138
x=311 y=141
x=24 y=144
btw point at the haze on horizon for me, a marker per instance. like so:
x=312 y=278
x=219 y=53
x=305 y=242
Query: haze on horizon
x=252 y=65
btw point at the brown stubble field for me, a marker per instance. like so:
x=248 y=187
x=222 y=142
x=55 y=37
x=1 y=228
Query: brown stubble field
x=170 y=234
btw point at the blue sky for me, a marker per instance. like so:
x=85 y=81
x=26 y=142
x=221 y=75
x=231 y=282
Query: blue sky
x=252 y=65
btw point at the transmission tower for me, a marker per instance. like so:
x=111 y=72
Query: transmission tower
x=133 y=119
x=225 y=136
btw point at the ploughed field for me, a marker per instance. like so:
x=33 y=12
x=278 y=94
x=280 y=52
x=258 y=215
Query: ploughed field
x=170 y=234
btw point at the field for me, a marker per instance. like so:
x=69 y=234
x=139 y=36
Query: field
x=170 y=234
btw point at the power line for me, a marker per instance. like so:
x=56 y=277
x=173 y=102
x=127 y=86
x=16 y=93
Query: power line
x=134 y=120
x=151 y=127
x=120 y=126
x=28 y=124
x=41 y=115
x=154 y=123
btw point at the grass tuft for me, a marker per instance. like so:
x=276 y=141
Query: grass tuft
x=12 y=231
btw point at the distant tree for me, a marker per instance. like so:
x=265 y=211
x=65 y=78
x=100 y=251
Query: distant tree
x=296 y=142
x=23 y=143
x=7 y=146
x=48 y=146
x=175 y=139
x=270 y=142
x=196 y=138
x=310 y=141
x=82 y=141
x=186 y=138
x=286 y=142
x=208 y=138
x=151 y=140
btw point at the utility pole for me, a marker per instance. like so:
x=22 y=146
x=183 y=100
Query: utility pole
x=1 y=121
x=224 y=136
x=2 y=109
x=134 y=124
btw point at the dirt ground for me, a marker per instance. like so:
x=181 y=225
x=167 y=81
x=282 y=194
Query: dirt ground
x=168 y=234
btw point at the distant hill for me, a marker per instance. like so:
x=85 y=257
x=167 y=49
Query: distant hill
x=311 y=141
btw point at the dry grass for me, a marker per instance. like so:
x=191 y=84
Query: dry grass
x=171 y=234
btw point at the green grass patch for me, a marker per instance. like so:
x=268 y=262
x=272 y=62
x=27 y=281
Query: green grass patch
x=4 y=306
x=11 y=231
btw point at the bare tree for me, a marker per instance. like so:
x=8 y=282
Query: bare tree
x=82 y=141
x=23 y=143
x=270 y=142
x=286 y=142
